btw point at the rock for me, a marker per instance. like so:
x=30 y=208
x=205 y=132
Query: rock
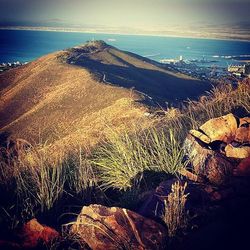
x=218 y=169
x=33 y=233
x=206 y=163
x=237 y=152
x=117 y=228
x=200 y=135
x=220 y=129
x=243 y=169
x=222 y=194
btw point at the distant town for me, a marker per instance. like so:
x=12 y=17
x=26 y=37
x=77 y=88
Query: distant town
x=205 y=69
x=10 y=65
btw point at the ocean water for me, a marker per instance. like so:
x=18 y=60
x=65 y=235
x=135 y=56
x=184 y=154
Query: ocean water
x=20 y=45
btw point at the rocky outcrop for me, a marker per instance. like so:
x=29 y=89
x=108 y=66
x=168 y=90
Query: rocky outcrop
x=117 y=228
x=206 y=163
x=217 y=147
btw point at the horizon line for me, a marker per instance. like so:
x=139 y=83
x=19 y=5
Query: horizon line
x=74 y=30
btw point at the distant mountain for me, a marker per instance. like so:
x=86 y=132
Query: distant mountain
x=76 y=94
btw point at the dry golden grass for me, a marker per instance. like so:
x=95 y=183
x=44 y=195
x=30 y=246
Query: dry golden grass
x=174 y=215
x=60 y=105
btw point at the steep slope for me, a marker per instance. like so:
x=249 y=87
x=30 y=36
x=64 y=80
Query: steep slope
x=50 y=100
x=78 y=94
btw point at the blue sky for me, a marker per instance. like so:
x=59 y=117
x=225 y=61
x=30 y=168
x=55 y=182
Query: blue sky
x=124 y=13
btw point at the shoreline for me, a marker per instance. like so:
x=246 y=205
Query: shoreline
x=48 y=29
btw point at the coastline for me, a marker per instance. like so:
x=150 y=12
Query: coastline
x=69 y=30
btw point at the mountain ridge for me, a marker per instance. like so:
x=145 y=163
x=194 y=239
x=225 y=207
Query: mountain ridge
x=129 y=70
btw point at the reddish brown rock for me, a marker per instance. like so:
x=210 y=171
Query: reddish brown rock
x=33 y=233
x=221 y=194
x=221 y=129
x=117 y=228
x=243 y=169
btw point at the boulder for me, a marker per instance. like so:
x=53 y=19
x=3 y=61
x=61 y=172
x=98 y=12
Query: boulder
x=206 y=163
x=218 y=129
x=33 y=234
x=218 y=169
x=117 y=228
x=237 y=152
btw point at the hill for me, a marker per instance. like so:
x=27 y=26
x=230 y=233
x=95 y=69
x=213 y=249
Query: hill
x=158 y=83
x=76 y=94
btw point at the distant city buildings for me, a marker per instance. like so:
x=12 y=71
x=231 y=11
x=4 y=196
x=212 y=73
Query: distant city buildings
x=239 y=70
x=173 y=61
x=205 y=69
x=9 y=65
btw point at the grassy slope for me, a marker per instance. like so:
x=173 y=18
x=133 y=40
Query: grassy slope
x=51 y=100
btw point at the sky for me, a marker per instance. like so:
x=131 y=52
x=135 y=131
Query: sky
x=124 y=13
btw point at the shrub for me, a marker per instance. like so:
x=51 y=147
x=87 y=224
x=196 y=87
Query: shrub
x=124 y=156
x=221 y=100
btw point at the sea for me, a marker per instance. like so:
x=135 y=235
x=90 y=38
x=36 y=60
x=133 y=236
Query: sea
x=26 y=45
